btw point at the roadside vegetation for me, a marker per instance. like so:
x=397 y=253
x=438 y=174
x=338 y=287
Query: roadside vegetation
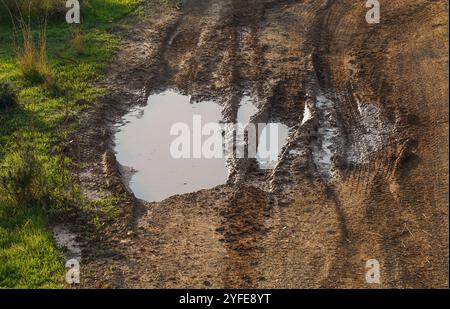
x=47 y=67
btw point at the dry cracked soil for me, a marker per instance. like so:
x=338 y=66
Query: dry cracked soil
x=364 y=174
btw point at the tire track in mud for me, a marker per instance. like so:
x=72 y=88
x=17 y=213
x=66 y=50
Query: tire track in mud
x=243 y=228
x=373 y=175
x=351 y=249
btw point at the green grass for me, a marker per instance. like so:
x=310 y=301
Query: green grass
x=28 y=258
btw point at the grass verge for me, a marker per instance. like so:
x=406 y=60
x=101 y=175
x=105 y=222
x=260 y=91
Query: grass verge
x=77 y=56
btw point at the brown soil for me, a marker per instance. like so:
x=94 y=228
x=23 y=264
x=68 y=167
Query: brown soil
x=302 y=225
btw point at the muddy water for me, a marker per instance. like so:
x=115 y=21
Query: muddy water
x=144 y=141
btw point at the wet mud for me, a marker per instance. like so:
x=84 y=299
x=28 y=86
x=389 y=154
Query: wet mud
x=363 y=174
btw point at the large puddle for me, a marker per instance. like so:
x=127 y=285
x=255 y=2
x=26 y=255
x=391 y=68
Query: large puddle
x=144 y=143
x=170 y=145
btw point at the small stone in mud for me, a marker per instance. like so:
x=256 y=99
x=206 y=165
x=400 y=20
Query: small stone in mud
x=220 y=229
x=284 y=203
x=308 y=209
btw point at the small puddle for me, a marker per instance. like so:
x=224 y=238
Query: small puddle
x=272 y=136
x=272 y=139
x=144 y=143
x=246 y=111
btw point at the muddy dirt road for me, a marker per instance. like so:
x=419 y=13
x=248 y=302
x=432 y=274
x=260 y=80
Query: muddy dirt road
x=363 y=176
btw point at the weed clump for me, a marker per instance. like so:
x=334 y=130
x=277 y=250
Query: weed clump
x=78 y=42
x=21 y=177
x=8 y=97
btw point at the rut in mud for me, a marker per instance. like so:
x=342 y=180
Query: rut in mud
x=363 y=174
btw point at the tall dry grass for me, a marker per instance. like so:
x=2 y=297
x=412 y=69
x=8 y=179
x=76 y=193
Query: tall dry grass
x=78 y=42
x=30 y=37
x=33 y=8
